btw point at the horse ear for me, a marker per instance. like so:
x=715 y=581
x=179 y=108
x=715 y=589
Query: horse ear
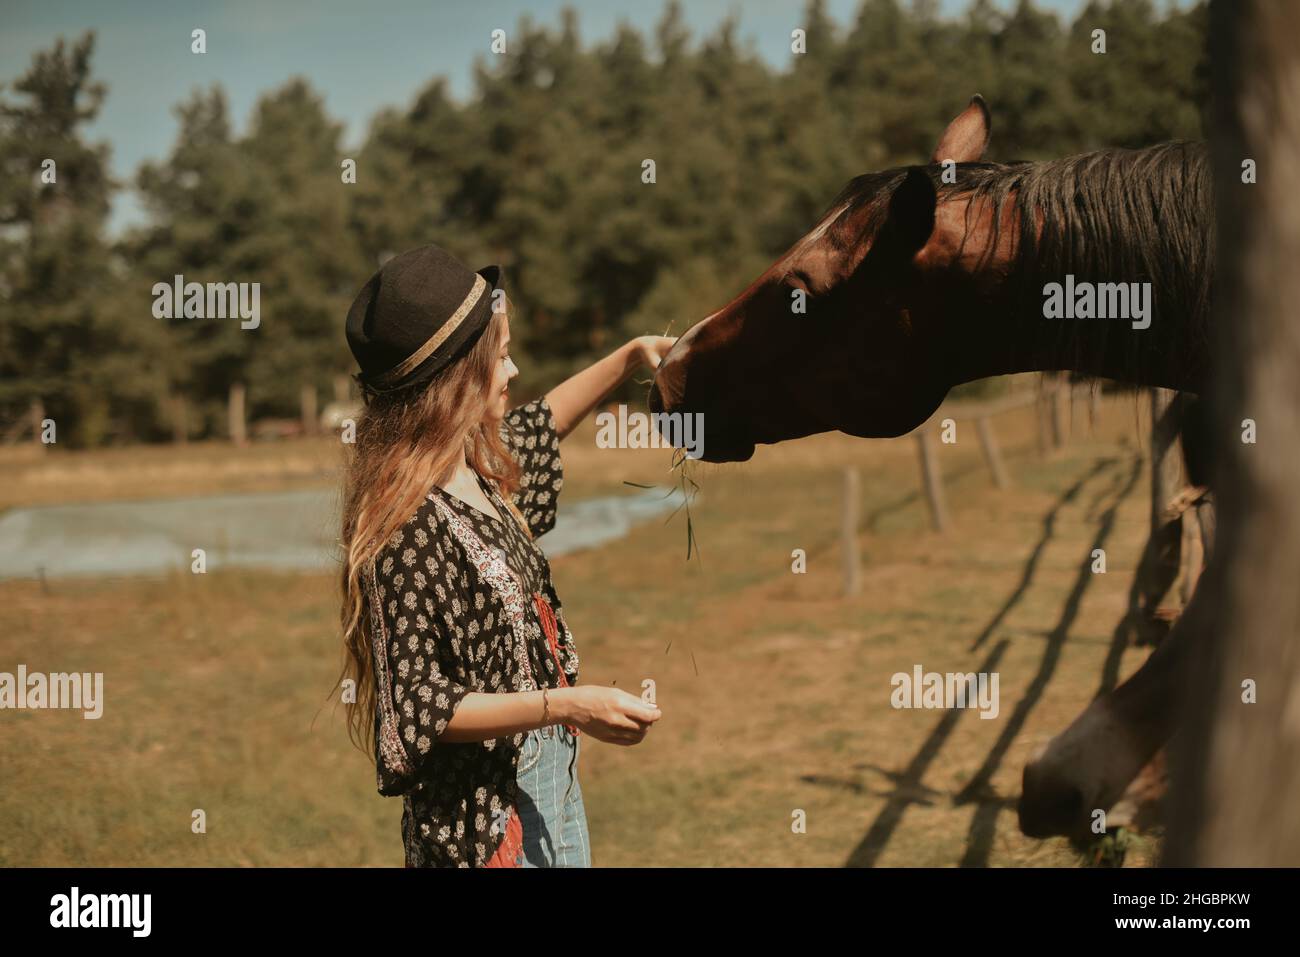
x=967 y=136
x=911 y=213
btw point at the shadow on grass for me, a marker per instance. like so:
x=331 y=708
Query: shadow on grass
x=1031 y=566
x=908 y=788
x=980 y=837
x=907 y=784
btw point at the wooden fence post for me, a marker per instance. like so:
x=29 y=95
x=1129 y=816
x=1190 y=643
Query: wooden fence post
x=991 y=454
x=1043 y=415
x=1059 y=427
x=849 y=533
x=1167 y=481
x=933 y=479
x=1191 y=556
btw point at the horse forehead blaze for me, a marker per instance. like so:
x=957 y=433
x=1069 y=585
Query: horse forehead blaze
x=817 y=255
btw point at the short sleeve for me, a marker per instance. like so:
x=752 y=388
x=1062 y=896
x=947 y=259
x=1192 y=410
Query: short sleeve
x=415 y=694
x=534 y=441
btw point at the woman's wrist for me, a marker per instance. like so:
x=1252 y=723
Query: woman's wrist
x=561 y=701
x=648 y=352
x=633 y=357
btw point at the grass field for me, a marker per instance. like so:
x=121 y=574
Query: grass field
x=775 y=690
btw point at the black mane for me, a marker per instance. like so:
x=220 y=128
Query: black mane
x=1114 y=215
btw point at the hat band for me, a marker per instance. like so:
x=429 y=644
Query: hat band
x=438 y=338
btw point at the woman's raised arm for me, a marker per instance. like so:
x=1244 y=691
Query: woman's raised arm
x=573 y=399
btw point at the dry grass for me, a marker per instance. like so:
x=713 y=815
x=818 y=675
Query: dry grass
x=775 y=690
x=36 y=477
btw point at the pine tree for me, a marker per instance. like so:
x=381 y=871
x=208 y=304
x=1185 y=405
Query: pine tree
x=54 y=261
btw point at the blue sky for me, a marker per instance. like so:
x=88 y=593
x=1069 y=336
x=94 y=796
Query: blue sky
x=361 y=56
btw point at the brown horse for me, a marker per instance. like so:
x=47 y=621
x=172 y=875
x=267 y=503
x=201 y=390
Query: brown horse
x=917 y=279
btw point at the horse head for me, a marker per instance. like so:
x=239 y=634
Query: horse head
x=920 y=278
x=840 y=332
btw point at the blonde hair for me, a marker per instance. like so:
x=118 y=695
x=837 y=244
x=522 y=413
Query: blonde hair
x=407 y=442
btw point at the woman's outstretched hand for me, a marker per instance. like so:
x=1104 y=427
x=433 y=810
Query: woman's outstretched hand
x=607 y=714
x=650 y=350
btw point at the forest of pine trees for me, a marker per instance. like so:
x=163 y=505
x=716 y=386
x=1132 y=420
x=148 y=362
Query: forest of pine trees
x=540 y=170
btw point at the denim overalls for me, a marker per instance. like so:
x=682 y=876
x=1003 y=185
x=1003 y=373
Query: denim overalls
x=550 y=800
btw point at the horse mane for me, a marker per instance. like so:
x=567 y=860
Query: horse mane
x=1113 y=215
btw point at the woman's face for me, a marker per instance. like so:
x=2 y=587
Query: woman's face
x=503 y=371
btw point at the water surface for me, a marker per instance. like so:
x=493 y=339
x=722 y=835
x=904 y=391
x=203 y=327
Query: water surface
x=283 y=530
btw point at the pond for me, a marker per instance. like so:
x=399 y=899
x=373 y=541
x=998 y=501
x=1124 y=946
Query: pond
x=281 y=530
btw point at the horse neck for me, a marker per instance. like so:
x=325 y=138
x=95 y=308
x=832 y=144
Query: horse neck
x=1005 y=338
x=1117 y=216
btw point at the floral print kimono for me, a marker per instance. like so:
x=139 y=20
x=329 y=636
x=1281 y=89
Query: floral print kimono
x=462 y=602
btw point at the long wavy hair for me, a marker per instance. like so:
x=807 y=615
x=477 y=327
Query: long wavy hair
x=407 y=442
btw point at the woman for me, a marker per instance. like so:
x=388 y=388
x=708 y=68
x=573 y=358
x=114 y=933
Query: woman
x=465 y=670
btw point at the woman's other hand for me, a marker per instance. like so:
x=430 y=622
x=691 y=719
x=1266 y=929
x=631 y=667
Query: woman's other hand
x=607 y=714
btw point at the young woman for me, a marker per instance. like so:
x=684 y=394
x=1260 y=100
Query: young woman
x=465 y=669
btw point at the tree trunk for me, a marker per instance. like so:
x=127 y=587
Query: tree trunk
x=37 y=414
x=236 y=419
x=179 y=416
x=309 y=416
x=1237 y=765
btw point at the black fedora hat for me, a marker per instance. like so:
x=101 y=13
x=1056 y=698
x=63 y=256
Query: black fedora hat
x=420 y=312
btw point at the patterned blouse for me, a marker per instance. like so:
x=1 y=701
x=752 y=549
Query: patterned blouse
x=452 y=611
